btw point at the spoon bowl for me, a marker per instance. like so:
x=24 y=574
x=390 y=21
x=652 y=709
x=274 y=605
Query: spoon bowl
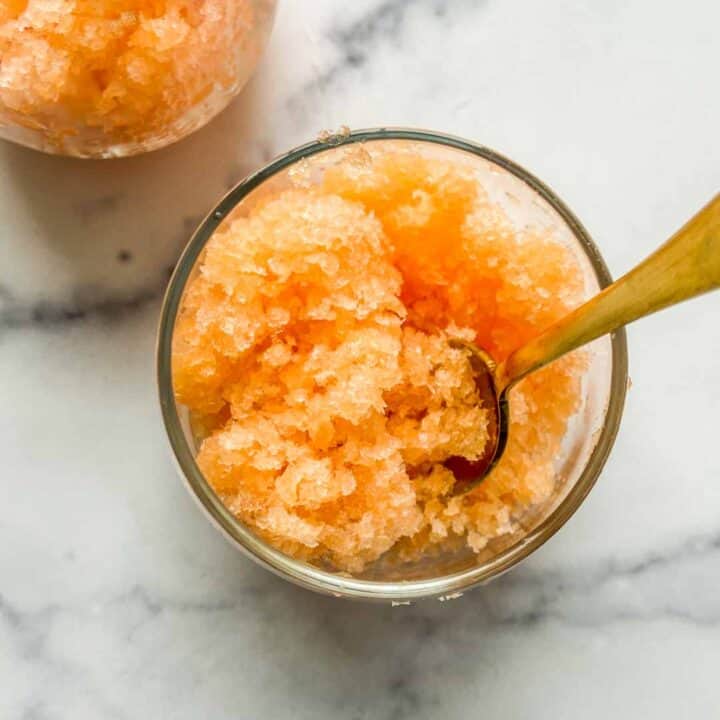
x=469 y=472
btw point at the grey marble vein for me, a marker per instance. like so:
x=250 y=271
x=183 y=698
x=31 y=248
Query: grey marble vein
x=356 y=41
x=584 y=597
x=88 y=304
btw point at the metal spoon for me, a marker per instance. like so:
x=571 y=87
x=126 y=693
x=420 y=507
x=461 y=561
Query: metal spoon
x=688 y=264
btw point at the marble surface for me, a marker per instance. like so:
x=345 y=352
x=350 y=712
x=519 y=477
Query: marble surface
x=118 y=600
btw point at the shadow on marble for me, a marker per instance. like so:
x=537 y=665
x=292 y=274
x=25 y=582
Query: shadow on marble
x=113 y=229
x=351 y=653
x=355 y=653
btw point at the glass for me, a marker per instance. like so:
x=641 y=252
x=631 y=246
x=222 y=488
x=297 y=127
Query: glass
x=121 y=81
x=587 y=442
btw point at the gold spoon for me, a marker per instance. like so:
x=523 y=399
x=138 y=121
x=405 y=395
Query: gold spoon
x=688 y=264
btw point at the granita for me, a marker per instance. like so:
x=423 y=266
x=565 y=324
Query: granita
x=122 y=72
x=313 y=351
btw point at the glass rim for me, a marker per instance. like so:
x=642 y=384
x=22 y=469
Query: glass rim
x=304 y=574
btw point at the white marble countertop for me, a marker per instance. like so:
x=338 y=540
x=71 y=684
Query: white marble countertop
x=118 y=600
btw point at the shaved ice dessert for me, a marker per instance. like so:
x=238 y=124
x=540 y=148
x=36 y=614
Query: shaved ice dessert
x=312 y=349
x=116 y=77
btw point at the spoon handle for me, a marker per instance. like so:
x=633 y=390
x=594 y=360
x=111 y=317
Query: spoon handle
x=688 y=264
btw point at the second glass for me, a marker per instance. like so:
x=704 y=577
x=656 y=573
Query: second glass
x=102 y=80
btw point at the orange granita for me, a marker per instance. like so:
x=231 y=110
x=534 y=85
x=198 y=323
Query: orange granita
x=312 y=351
x=124 y=72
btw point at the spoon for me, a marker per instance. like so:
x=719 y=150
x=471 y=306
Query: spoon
x=687 y=265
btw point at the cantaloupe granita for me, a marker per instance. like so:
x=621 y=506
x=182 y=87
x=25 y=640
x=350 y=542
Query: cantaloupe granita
x=312 y=349
x=92 y=75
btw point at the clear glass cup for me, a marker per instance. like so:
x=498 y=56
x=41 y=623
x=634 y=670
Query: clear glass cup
x=121 y=78
x=586 y=445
